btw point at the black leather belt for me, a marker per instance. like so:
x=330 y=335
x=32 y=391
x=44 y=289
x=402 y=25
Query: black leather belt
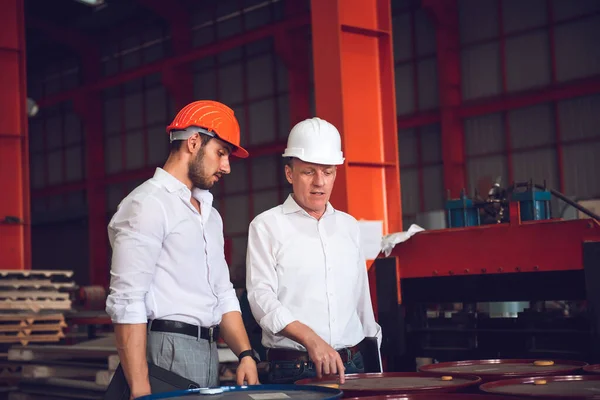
x=163 y=325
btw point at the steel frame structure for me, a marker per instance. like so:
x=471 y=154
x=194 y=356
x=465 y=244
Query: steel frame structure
x=293 y=30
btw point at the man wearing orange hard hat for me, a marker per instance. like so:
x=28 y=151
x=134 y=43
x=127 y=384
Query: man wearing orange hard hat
x=170 y=291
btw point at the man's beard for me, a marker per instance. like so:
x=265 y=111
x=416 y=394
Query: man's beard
x=196 y=173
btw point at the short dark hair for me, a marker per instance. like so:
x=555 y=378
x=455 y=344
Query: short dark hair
x=289 y=161
x=176 y=144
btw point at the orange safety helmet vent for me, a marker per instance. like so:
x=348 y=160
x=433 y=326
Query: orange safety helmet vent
x=212 y=116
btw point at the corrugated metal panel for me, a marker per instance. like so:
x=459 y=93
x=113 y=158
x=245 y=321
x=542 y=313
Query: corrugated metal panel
x=402 y=37
x=112 y=112
x=532 y=126
x=55 y=167
x=480 y=70
x=433 y=187
x=230 y=84
x=284 y=116
x=257 y=17
x=131 y=58
x=264 y=172
x=579 y=118
x=264 y=201
x=528 y=61
x=236 y=213
x=538 y=165
x=569 y=9
x=237 y=180
x=486 y=169
x=478 y=20
x=37 y=171
x=262 y=122
x=112 y=154
x=409 y=182
x=518 y=15
x=134 y=145
x=407 y=146
x=133 y=110
x=577 y=49
x=431 y=144
x=484 y=134
x=425 y=32
x=428 y=84
x=405 y=98
x=260 y=76
x=73 y=128
x=74 y=163
x=158 y=143
x=582 y=170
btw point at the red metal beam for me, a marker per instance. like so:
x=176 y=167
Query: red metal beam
x=15 y=238
x=445 y=16
x=354 y=90
x=174 y=61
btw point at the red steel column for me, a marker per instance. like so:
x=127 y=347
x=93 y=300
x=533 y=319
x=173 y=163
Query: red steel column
x=90 y=110
x=445 y=15
x=354 y=90
x=15 y=228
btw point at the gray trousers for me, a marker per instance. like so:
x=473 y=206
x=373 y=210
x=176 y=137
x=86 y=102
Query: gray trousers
x=194 y=359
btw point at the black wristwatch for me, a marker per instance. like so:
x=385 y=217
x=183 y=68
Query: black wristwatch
x=249 y=353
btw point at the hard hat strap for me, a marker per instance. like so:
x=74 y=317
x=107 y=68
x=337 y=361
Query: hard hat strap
x=185 y=134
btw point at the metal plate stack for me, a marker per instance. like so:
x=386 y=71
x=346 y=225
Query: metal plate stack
x=493 y=370
x=387 y=383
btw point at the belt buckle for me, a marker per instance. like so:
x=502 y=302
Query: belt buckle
x=211 y=331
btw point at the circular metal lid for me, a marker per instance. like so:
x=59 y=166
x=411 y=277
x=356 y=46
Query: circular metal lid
x=438 y=396
x=548 y=387
x=592 y=369
x=502 y=369
x=256 y=392
x=395 y=383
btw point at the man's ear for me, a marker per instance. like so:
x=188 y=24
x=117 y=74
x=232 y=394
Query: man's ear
x=288 y=174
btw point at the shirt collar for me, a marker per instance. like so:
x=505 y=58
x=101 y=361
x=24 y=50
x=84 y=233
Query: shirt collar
x=173 y=184
x=290 y=206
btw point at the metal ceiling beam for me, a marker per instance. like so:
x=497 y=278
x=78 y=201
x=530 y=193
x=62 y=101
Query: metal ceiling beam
x=189 y=56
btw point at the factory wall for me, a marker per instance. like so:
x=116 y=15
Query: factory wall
x=507 y=47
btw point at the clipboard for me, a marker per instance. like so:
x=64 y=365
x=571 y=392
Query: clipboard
x=161 y=381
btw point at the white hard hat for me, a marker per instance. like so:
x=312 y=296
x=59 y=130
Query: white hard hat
x=315 y=140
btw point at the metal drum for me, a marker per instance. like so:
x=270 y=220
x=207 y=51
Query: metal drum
x=592 y=369
x=572 y=387
x=256 y=392
x=362 y=385
x=439 y=396
x=493 y=370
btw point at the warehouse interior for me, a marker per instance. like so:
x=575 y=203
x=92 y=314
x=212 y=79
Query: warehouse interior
x=476 y=120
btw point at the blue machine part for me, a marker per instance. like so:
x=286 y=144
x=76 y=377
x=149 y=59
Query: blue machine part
x=535 y=204
x=271 y=392
x=462 y=212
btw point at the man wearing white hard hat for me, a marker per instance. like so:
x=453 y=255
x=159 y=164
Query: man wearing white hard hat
x=306 y=275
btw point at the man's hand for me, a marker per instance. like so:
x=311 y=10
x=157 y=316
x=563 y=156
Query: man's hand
x=326 y=359
x=247 y=372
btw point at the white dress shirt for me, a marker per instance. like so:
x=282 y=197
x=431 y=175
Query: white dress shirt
x=168 y=259
x=309 y=270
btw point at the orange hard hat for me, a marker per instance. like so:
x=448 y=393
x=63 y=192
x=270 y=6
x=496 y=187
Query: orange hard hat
x=211 y=118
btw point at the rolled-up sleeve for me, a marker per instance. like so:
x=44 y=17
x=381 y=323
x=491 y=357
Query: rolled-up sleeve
x=227 y=298
x=136 y=233
x=262 y=282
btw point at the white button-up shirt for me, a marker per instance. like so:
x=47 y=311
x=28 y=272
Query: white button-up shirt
x=309 y=270
x=168 y=259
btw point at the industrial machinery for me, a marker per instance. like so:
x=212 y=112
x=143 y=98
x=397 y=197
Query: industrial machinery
x=505 y=281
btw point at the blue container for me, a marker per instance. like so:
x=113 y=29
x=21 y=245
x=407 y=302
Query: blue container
x=271 y=392
x=462 y=212
x=535 y=204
